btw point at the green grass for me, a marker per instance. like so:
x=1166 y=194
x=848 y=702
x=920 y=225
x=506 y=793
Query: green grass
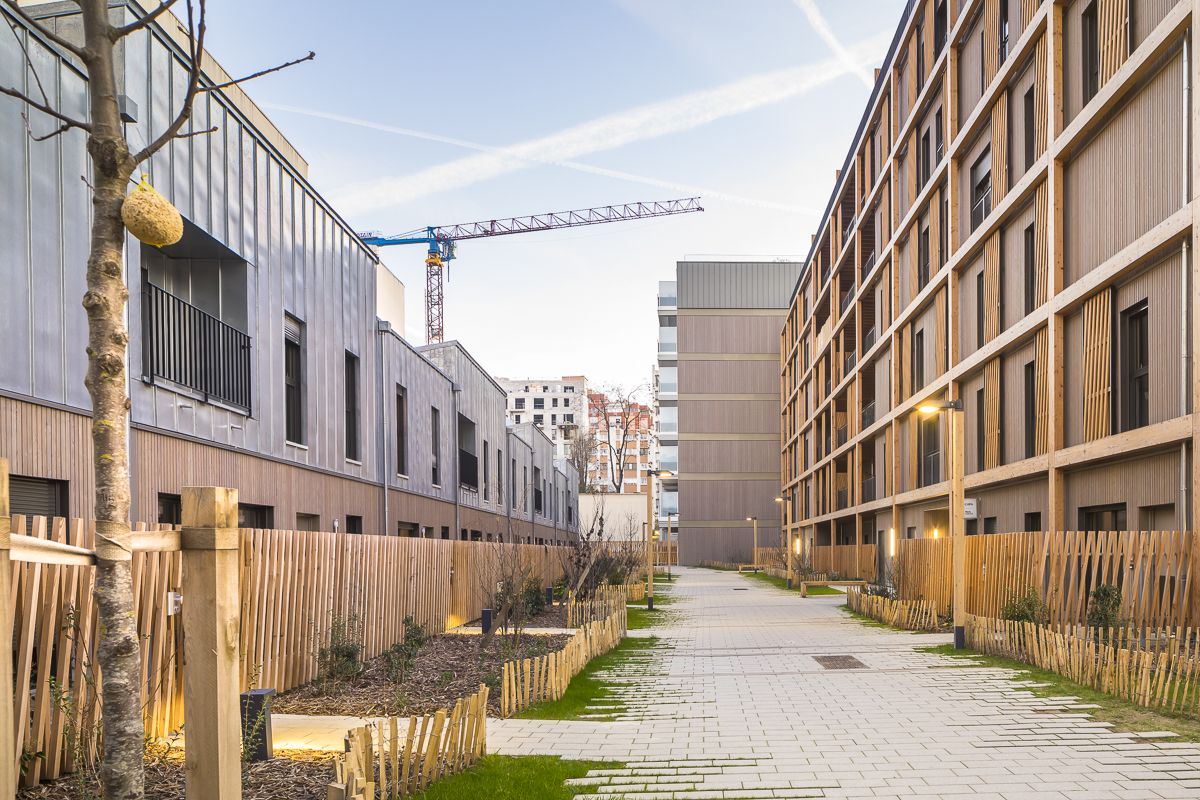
x=781 y=583
x=516 y=778
x=1124 y=715
x=586 y=689
x=866 y=621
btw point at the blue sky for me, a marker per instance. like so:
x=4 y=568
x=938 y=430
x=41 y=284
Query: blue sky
x=752 y=102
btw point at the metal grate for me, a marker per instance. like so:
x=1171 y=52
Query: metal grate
x=840 y=662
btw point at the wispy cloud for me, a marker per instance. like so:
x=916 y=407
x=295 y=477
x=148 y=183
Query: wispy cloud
x=605 y=133
x=823 y=30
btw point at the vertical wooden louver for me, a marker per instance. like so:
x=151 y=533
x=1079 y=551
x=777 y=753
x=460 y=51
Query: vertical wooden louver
x=939 y=332
x=991 y=414
x=935 y=261
x=905 y=374
x=1041 y=107
x=1041 y=373
x=1114 y=36
x=991 y=287
x=1028 y=9
x=991 y=42
x=1041 y=253
x=1097 y=366
x=913 y=78
x=1000 y=149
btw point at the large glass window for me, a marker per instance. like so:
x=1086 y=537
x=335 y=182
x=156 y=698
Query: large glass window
x=668 y=458
x=668 y=379
x=668 y=419
x=668 y=340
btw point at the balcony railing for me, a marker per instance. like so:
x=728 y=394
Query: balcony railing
x=847 y=301
x=868 y=415
x=849 y=362
x=868 y=265
x=842 y=497
x=868 y=489
x=468 y=470
x=982 y=207
x=869 y=339
x=186 y=346
x=842 y=434
x=931 y=469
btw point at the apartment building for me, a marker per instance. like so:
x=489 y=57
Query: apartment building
x=724 y=329
x=626 y=445
x=263 y=353
x=1011 y=229
x=557 y=406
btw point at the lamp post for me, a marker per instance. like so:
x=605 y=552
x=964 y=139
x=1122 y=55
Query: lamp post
x=957 y=522
x=787 y=540
x=651 y=519
x=669 y=554
x=755 y=554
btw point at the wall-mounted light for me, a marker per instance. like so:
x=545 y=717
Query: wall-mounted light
x=184 y=405
x=892 y=540
x=935 y=533
x=237 y=427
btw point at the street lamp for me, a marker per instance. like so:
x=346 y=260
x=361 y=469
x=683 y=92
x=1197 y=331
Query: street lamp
x=665 y=473
x=957 y=521
x=755 y=554
x=787 y=539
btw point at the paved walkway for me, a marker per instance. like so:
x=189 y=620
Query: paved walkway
x=739 y=707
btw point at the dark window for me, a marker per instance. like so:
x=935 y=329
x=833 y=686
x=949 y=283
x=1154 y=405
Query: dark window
x=911 y=533
x=939 y=28
x=483 y=475
x=352 y=407
x=931 y=456
x=569 y=419
x=512 y=480
x=920 y=56
x=519 y=402
x=308 y=522
x=170 y=509
x=1090 y=52
x=989 y=525
x=923 y=259
x=499 y=476
x=926 y=158
x=539 y=402
x=1030 y=129
x=1033 y=521
x=971 y=527
x=401 y=430
x=980 y=431
x=940 y=143
x=436 y=445
x=1030 y=410
x=354 y=524
x=981 y=188
x=1030 y=272
x=918 y=360
x=252 y=516
x=944 y=211
x=1137 y=368
x=979 y=309
x=445 y=531
x=537 y=419
x=1003 y=45
x=293 y=379
x=1102 y=518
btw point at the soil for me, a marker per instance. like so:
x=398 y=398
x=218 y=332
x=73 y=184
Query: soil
x=294 y=774
x=550 y=617
x=447 y=668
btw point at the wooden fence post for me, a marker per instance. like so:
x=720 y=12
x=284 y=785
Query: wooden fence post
x=8 y=754
x=211 y=610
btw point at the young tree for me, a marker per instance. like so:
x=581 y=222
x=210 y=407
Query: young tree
x=622 y=419
x=584 y=447
x=113 y=164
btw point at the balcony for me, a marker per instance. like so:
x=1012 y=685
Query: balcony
x=842 y=434
x=868 y=265
x=468 y=470
x=869 y=339
x=847 y=301
x=849 y=361
x=868 y=415
x=842 y=498
x=868 y=489
x=188 y=347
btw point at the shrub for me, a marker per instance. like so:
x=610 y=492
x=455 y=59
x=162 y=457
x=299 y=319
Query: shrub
x=1026 y=608
x=403 y=655
x=535 y=597
x=339 y=658
x=1104 y=608
x=616 y=577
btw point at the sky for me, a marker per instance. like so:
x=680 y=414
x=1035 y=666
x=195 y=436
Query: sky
x=435 y=113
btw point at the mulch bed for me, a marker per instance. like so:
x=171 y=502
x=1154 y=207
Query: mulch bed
x=292 y=774
x=448 y=667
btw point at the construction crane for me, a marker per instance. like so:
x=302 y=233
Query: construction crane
x=441 y=240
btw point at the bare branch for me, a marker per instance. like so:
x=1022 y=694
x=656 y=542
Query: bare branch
x=74 y=49
x=117 y=33
x=195 y=47
x=311 y=55
x=29 y=61
x=74 y=123
x=62 y=129
x=213 y=129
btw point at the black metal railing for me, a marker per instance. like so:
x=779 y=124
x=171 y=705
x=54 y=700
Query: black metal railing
x=868 y=489
x=868 y=265
x=849 y=362
x=842 y=434
x=931 y=469
x=847 y=301
x=922 y=276
x=842 y=497
x=982 y=207
x=869 y=339
x=189 y=347
x=868 y=415
x=468 y=469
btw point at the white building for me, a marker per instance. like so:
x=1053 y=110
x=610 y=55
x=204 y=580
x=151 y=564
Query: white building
x=558 y=406
x=666 y=405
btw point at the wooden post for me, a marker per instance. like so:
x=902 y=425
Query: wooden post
x=210 y=646
x=650 y=521
x=958 y=526
x=8 y=754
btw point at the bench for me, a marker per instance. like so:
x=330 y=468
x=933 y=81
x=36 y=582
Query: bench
x=752 y=567
x=805 y=584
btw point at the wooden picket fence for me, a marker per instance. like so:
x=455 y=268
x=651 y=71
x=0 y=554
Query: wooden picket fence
x=635 y=591
x=536 y=680
x=847 y=560
x=292 y=585
x=911 y=615
x=399 y=764
x=1151 y=667
x=600 y=605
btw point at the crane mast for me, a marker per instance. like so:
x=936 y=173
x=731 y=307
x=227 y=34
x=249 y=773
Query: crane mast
x=441 y=240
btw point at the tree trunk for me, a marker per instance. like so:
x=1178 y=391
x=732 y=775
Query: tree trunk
x=122 y=773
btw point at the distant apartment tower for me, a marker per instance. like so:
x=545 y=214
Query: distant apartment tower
x=556 y=406
x=724 y=411
x=626 y=446
x=666 y=406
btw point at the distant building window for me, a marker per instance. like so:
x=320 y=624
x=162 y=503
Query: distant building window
x=519 y=403
x=293 y=379
x=981 y=188
x=566 y=402
x=1090 y=51
x=554 y=419
x=569 y=419
x=1137 y=367
x=537 y=419
x=351 y=399
x=517 y=419
x=539 y=402
x=554 y=402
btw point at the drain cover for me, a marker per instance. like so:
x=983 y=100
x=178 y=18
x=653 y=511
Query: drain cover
x=839 y=662
x=741 y=590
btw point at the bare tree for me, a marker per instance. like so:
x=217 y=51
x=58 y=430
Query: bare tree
x=622 y=419
x=113 y=164
x=584 y=447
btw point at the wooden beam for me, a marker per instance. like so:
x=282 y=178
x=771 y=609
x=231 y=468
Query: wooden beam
x=1151 y=437
x=8 y=749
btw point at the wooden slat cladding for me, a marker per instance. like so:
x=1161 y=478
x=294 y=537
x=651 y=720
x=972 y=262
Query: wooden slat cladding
x=1097 y=366
x=991 y=420
x=970 y=67
x=1000 y=149
x=1028 y=9
x=730 y=334
x=1160 y=287
x=939 y=332
x=44 y=442
x=1114 y=36
x=1147 y=15
x=991 y=287
x=1129 y=177
x=935 y=254
x=1041 y=244
x=991 y=49
x=1041 y=391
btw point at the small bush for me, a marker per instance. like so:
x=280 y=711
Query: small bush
x=1104 y=608
x=535 y=597
x=339 y=659
x=1026 y=608
x=403 y=655
x=616 y=577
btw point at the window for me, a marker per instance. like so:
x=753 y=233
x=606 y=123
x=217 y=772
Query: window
x=252 y=516
x=436 y=444
x=484 y=474
x=911 y=533
x=499 y=476
x=537 y=419
x=308 y=522
x=1102 y=518
x=354 y=524
x=170 y=509
x=545 y=390
x=1030 y=129
x=979 y=312
x=1137 y=367
x=525 y=487
x=980 y=431
x=1003 y=46
x=1033 y=521
x=519 y=403
x=351 y=407
x=989 y=525
x=512 y=480
x=401 y=430
x=293 y=379
x=1030 y=410
x=940 y=142
x=554 y=402
x=981 y=188
x=918 y=360
x=517 y=419
x=920 y=55
x=539 y=402
x=1090 y=51
x=931 y=456
x=926 y=158
x=566 y=402
x=923 y=257
x=939 y=28
x=943 y=228
x=569 y=419
x=1030 y=273
x=570 y=389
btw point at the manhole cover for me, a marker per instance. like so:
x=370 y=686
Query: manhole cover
x=839 y=662
x=741 y=590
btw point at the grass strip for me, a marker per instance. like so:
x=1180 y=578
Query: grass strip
x=781 y=583
x=867 y=621
x=516 y=778
x=586 y=689
x=1123 y=714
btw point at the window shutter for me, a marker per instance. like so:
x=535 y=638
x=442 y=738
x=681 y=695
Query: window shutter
x=291 y=328
x=36 y=497
x=991 y=40
x=1097 y=366
x=1028 y=9
x=939 y=333
x=1039 y=96
x=991 y=286
x=1000 y=149
x=1041 y=253
x=1114 y=36
x=1042 y=398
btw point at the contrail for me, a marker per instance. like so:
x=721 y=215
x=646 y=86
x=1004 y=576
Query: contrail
x=606 y=133
x=826 y=33
x=567 y=164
